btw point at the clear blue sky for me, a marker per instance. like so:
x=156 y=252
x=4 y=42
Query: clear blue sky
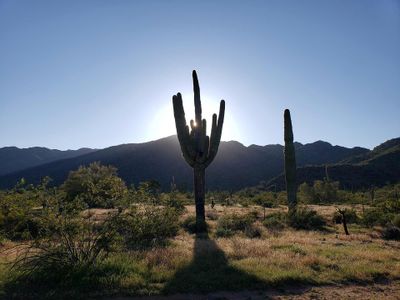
x=100 y=73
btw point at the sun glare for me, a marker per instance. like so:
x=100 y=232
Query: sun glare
x=163 y=123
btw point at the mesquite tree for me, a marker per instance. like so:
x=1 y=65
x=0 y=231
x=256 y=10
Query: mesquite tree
x=198 y=149
x=290 y=164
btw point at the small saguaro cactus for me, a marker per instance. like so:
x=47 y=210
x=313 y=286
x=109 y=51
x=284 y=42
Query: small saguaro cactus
x=290 y=164
x=197 y=148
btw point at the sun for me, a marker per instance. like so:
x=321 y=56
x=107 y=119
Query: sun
x=163 y=123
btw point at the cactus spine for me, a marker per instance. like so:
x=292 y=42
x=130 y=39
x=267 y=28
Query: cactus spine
x=290 y=164
x=197 y=148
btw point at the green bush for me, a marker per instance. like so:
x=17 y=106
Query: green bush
x=148 y=227
x=228 y=224
x=19 y=224
x=265 y=199
x=275 y=220
x=20 y=212
x=350 y=214
x=96 y=185
x=376 y=216
x=176 y=204
x=224 y=232
x=305 y=218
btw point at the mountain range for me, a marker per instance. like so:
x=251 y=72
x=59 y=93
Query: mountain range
x=373 y=168
x=13 y=159
x=235 y=166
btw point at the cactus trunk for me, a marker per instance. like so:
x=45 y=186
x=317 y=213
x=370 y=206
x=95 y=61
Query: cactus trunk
x=199 y=195
x=198 y=149
x=290 y=165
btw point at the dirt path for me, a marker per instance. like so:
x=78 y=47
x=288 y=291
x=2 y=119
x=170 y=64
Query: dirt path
x=372 y=291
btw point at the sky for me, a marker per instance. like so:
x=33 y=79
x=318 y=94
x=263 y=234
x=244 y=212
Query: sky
x=101 y=73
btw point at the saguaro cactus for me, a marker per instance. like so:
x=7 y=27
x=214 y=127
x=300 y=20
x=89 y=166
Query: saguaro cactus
x=198 y=149
x=290 y=164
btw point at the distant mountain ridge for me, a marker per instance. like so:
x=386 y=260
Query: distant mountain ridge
x=373 y=168
x=13 y=159
x=236 y=166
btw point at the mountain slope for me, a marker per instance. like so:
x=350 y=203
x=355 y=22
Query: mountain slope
x=236 y=166
x=14 y=159
x=373 y=168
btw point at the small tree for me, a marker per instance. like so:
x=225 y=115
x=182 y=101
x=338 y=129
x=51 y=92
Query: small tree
x=96 y=185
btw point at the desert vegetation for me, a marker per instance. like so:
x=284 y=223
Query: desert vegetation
x=94 y=236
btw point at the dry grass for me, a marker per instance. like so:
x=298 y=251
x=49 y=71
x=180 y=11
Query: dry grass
x=190 y=264
x=291 y=255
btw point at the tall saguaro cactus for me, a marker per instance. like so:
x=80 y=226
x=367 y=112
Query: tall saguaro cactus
x=290 y=164
x=198 y=149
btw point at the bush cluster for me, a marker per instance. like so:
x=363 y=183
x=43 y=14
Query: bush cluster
x=275 y=221
x=147 y=227
x=350 y=215
x=229 y=224
x=308 y=219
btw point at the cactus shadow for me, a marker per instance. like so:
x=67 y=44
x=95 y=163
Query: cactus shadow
x=210 y=271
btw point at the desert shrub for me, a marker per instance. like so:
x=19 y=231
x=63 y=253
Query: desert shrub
x=350 y=214
x=19 y=224
x=275 y=221
x=228 y=224
x=67 y=259
x=20 y=211
x=175 y=203
x=223 y=232
x=391 y=232
x=148 y=192
x=265 y=199
x=376 y=216
x=148 y=227
x=96 y=185
x=253 y=231
x=73 y=242
x=305 y=218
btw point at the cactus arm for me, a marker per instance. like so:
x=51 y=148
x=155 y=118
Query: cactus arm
x=203 y=135
x=197 y=101
x=216 y=132
x=182 y=129
x=204 y=143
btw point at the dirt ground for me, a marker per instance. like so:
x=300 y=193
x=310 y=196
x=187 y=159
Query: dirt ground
x=389 y=290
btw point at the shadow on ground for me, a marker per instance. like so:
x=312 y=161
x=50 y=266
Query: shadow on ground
x=210 y=271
